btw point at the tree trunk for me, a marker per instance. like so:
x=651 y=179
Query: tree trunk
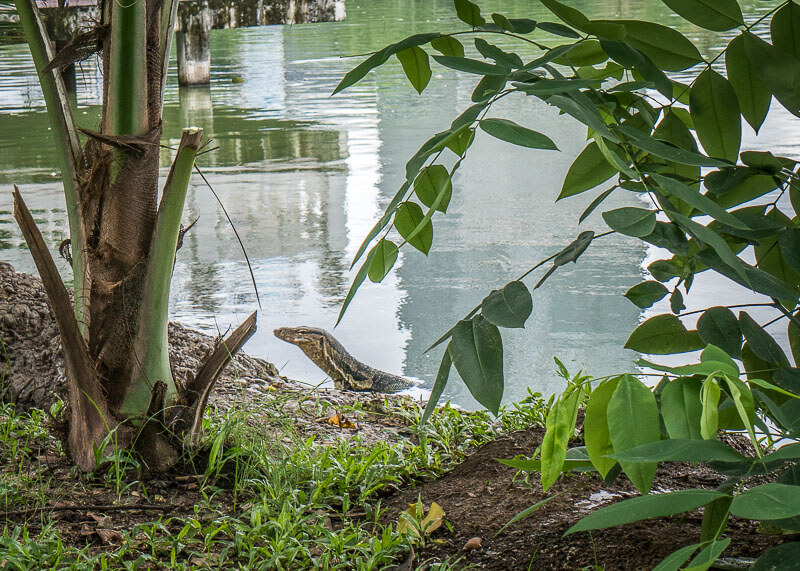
x=123 y=243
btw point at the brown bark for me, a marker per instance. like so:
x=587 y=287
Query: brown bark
x=90 y=419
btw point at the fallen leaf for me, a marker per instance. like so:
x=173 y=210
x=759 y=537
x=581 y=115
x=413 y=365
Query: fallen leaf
x=101 y=520
x=87 y=530
x=207 y=561
x=109 y=535
x=340 y=421
x=434 y=519
x=474 y=543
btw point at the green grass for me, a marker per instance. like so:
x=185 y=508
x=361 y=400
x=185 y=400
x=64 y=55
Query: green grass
x=269 y=497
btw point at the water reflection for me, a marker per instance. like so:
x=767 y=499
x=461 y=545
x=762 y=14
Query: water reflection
x=304 y=176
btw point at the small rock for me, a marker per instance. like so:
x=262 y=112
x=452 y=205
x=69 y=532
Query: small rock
x=474 y=543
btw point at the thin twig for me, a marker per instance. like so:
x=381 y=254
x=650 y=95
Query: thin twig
x=233 y=227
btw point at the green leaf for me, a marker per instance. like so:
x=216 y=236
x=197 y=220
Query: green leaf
x=632 y=421
x=413 y=166
x=681 y=408
x=438 y=386
x=719 y=326
x=477 y=352
x=785 y=29
x=715 y=241
x=595 y=426
x=675 y=560
x=459 y=143
x=716 y=516
x=488 y=86
x=715 y=113
x=408 y=216
x=767 y=501
x=699 y=201
x=506 y=25
x=669 y=152
x=528 y=511
x=448 y=46
x=793 y=333
x=645 y=507
x=713 y=368
x=757 y=280
x=766 y=161
x=431 y=181
x=676 y=304
x=680 y=450
x=709 y=417
x=589 y=117
x=574 y=249
x=522 y=25
x=508 y=131
x=508 y=307
x=754 y=98
x=545 y=87
x=761 y=342
x=631 y=221
x=745 y=406
x=357 y=281
x=560 y=425
x=673 y=130
x=706 y=558
x=471 y=65
x=569 y=254
x=380 y=57
x=663 y=335
x=416 y=67
x=669 y=235
x=646 y=293
x=784 y=557
x=720 y=359
x=595 y=203
x=779 y=71
x=716 y=15
x=771 y=259
x=587 y=52
x=383 y=258
x=755 y=366
x=566 y=13
x=469 y=13
x=503 y=58
x=667 y=48
x=558 y=29
x=588 y=170
x=573 y=17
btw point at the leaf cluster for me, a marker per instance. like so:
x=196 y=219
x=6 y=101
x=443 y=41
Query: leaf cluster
x=712 y=205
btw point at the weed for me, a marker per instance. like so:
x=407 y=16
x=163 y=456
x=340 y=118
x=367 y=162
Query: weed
x=269 y=497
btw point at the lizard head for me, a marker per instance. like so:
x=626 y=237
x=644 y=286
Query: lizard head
x=303 y=337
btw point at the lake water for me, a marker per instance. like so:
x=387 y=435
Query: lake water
x=304 y=176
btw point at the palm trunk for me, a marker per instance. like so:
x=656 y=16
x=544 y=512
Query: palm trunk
x=123 y=244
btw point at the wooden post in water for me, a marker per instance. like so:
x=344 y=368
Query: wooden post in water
x=192 y=42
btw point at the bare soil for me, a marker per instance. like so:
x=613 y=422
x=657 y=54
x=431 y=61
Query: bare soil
x=481 y=495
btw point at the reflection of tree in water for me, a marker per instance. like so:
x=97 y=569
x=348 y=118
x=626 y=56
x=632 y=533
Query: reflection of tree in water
x=331 y=279
x=204 y=283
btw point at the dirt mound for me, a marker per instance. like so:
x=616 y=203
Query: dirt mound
x=481 y=495
x=32 y=367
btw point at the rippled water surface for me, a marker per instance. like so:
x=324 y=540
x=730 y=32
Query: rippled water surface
x=304 y=176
